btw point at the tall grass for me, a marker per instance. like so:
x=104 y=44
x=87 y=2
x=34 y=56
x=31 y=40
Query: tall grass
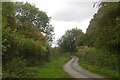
x=52 y=69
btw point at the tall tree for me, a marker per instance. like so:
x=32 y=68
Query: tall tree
x=29 y=13
x=69 y=39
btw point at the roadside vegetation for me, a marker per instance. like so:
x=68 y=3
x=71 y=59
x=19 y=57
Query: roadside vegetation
x=97 y=49
x=26 y=43
x=27 y=37
x=22 y=43
x=53 y=69
x=92 y=59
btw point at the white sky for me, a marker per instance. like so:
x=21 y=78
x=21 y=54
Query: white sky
x=66 y=14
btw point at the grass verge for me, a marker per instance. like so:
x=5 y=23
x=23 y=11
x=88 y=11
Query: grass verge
x=52 y=69
x=99 y=70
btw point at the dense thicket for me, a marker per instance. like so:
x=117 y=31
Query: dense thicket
x=26 y=33
x=104 y=29
x=103 y=36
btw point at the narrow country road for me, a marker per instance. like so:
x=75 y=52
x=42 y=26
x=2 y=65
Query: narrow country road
x=75 y=71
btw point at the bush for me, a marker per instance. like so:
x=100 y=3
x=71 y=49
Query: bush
x=35 y=52
x=88 y=55
x=98 y=57
x=11 y=44
x=15 y=68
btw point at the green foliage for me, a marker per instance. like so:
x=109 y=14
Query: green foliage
x=103 y=30
x=58 y=52
x=30 y=31
x=23 y=39
x=34 y=51
x=30 y=14
x=100 y=71
x=8 y=14
x=70 y=40
x=10 y=45
x=102 y=35
x=8 y=9
x=88 y=55
x=15 y=68
x=100 y=58
x=53 y=69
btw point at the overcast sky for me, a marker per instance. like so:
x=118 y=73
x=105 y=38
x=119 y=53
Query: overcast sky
x=66 y=14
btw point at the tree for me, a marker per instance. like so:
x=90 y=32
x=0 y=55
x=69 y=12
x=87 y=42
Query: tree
x=70 y=39
x=23 y=42
x=29 y=13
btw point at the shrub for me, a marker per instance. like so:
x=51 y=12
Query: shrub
x=10 y=45
x=88 y=55
x=34 y=51
x=98 y=57
x=14 y=68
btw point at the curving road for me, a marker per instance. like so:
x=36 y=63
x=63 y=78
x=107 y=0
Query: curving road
x=75 y=71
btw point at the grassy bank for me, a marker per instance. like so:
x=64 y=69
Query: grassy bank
x=98 y=70
x=98 y=61
x=52 y=69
